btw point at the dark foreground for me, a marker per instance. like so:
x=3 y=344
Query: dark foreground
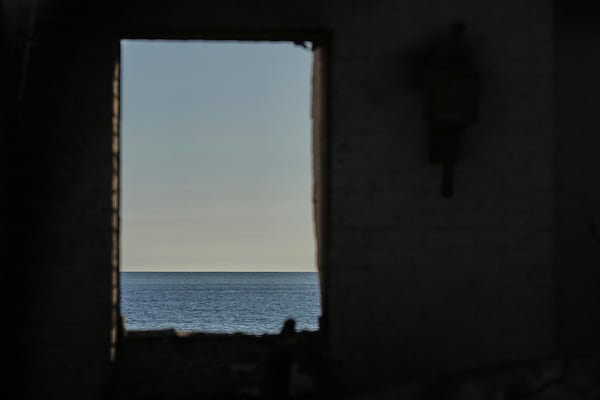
x=295 y=365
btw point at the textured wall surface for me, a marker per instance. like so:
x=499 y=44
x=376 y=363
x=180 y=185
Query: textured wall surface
x=449 y=282
x=62 y=169
x=505 y=270
x=577 y=179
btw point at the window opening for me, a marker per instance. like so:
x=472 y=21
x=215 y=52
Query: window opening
x=217 y=231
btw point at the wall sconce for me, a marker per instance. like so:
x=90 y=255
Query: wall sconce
x=451 y=102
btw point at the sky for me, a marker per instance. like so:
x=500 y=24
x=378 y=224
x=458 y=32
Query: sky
x=216 y=163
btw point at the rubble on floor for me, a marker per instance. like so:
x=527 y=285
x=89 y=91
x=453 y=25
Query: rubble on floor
x=295 y=365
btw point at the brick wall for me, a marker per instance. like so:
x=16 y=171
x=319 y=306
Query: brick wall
x=61 y=165
x=446 y=282
x=577 y=178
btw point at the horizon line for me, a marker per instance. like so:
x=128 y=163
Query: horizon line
x=219 y=271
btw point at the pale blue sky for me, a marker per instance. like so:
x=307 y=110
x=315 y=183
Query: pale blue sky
x=216 y=157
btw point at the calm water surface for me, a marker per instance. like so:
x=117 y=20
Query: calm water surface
x=249 y=302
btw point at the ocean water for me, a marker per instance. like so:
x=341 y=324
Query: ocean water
x=220 y=302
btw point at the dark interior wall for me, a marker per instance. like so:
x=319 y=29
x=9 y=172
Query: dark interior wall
x=60 y=165
x=62 y=56
x=577 y=185
x=421 y=283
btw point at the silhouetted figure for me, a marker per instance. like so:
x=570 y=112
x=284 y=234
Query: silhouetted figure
x=278 y=363
x=288 y=329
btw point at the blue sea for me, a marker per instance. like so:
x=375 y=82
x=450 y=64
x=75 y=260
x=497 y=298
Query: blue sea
x=220 y=302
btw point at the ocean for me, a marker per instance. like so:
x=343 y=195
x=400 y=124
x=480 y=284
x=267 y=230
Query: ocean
x=220 y=302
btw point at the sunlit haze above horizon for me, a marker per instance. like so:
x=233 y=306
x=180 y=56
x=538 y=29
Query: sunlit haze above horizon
x=216 y=157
